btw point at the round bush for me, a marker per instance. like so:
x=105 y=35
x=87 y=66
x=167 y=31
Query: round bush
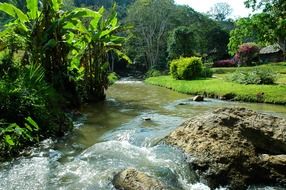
x=186 y=68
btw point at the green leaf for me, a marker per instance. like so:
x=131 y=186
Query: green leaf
x=107 y=32
x=22 y=27
x=32 y=6
x=28 y=127
x=75 y=26
x=9 y=140
x=11 y=128
x=56 y=4
x=51 y=43
x=117 y=39
x=94 y=22
x=122 y=55
x=88 y=13
x=114 y=22
x=32 y=122
x=26 y=135
x=13 y=11
x=101 y=10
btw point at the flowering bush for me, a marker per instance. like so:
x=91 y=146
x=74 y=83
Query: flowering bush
x=247 y=54
x=225 y=63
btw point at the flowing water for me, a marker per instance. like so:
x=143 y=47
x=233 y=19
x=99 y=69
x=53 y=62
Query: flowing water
x=121 y=132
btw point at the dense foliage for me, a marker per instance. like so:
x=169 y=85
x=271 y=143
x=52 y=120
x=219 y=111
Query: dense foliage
x=30 y=108
x=53 y=60
x=263 y=28
x=256 y=28
x=181 y=42
x=186 y=68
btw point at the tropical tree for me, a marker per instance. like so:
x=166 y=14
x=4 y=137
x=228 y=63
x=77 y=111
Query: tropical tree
x=96 y=42
x=62 y=42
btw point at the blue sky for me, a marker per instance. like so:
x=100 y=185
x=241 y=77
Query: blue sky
x=238 y=7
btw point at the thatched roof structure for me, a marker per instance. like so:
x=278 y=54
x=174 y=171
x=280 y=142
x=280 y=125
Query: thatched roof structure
x=270 y=49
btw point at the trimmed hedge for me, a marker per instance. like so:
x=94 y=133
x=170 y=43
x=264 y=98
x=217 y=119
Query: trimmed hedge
x=186 y=68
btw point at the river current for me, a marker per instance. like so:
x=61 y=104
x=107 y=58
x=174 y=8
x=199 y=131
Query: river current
x=121 y=132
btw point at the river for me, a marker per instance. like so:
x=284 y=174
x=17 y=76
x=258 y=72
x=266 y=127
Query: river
x=121 y=132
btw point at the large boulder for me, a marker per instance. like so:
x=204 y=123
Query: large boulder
x=131 y=179
x=235 y=147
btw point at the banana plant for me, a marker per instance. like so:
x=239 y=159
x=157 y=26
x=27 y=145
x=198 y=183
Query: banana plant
x=95 y=43
x=43 y=42
x=26 y=26
x=70 y=45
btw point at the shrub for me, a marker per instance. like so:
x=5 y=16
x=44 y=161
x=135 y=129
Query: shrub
x=225 y=63
x=153 y=73
x=254 y=77
x=30 y=110
x=206 y=72
x=12 y=136
x=186 y=68
x=247 y=54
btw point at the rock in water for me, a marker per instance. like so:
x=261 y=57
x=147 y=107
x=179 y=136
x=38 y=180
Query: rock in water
x=198 y=98
x=146 y=118
x=131 y=179
x=235 y=147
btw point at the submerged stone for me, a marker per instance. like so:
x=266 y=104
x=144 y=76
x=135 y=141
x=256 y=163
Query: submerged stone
x=146 y=118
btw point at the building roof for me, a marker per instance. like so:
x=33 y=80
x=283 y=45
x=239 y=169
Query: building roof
x=270 y=49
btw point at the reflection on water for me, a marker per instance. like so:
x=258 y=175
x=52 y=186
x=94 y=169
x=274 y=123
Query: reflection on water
x=118 y=133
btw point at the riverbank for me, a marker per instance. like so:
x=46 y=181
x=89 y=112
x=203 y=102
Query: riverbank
x=219 y=87
x=112 y=136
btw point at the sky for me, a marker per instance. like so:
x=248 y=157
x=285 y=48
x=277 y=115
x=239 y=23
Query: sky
x=204 y=6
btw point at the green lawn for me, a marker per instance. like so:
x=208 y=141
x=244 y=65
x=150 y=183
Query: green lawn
x=218 y=86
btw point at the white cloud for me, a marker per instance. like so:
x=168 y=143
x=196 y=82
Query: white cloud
x=204 y=6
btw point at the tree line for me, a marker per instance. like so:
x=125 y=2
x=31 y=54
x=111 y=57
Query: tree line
x=161 y=30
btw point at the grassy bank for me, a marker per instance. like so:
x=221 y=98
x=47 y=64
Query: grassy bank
x=219 y=87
